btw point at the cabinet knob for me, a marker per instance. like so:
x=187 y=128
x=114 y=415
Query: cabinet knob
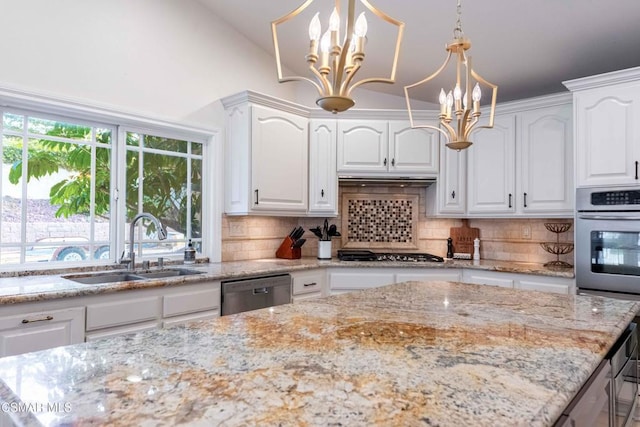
x=393 y=162
x=453 y=194
x=385 y=161
x=322 y=193
x=510 y=197
x=525 y=200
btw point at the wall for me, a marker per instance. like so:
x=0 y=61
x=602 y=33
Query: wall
x=501 y=239
x=168 y=59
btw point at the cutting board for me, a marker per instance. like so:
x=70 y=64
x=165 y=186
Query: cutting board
x=463 y=238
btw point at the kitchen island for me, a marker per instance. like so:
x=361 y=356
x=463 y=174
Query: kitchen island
x=415 y=353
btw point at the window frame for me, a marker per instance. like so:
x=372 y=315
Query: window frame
x=120 y=122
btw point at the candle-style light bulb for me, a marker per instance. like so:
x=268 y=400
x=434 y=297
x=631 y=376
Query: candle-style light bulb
x=361 y=26
x=457 y=93
x=449 y=100
x=442 y=98
x=315 y=29
x=334 y=20
x=464 y=100
x=476 y=93
x=325 y=42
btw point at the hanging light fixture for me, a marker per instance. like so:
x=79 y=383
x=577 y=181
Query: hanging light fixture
x=459 y=112
x=333 y=62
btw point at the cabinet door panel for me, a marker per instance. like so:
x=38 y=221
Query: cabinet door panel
x=546 y=160
x=39 y=331
x=362 y=146
x=412 y=151
x=279 y=160
x=452 y=184
x=123 y=312
x=323 y=178
x=607 y=135
x=491 y=160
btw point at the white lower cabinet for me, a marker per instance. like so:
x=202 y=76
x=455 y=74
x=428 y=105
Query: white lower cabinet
x=308 y=284
x=121 y=309
x=41 y=330
x=47 y=324
x=352 y=279
x=343 y=280
x=421 y=275
x=528 y=282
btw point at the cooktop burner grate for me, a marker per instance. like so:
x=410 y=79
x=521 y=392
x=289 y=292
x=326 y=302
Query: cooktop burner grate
x=362 y=255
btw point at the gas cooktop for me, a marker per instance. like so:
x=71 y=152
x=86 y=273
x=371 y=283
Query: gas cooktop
x=361 y=255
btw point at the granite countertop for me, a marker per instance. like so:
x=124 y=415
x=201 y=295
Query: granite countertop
x=415 y=353
x=46 y=285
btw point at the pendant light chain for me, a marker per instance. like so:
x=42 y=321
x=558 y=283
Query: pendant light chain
x=457 y=31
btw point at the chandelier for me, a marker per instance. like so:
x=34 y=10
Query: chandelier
x=459 y=112
x=334 y=61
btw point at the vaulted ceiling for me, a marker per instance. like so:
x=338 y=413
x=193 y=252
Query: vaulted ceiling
x=526 y=47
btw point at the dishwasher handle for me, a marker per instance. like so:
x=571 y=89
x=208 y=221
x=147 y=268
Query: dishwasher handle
x=260 y=291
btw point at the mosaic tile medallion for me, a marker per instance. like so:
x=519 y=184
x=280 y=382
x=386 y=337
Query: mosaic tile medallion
x=379 y=221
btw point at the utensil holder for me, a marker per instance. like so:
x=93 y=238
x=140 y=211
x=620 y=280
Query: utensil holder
x=286 y=251
x=324 y=249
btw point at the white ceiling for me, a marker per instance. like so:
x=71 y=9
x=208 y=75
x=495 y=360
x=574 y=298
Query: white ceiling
x=526 y=47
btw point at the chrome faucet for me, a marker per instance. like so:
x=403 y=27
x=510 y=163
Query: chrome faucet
x=162 y=234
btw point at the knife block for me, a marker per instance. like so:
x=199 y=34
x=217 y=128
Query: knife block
x=286 y=251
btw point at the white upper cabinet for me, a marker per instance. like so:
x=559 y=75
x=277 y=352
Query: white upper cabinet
x=449 y=195
x=491 y=163
x=607 y=128
x=323 y=178
x=363 y=146
x=383 y=147
x=266 y=157
x=412 y=150
x=523 y=166
x=545 y=160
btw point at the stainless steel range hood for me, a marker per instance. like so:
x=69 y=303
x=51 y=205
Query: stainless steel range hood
x=399 y=181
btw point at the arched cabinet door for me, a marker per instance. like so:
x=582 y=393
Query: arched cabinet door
x=608 y=135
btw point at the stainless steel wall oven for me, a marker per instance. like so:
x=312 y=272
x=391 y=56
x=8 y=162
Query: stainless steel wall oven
x=608 y=239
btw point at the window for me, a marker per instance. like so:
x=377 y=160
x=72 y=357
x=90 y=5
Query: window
x=55 y=190
x=164 y=178
x=70 y=188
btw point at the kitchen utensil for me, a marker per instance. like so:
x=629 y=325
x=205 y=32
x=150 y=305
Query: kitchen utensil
x=325 y=230
x=333 y=231
x=316 y=231
x=293 y=232
x=299 y=233
x=463 y=238
x=298 y=243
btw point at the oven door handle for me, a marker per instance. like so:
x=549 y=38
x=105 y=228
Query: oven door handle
x=609 y=217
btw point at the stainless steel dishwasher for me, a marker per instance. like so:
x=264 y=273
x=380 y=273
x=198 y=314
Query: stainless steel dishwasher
x=252 y=293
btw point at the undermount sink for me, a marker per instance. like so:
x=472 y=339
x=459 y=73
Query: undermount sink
x=94 y=279
x=169 y=272
x=99 y=278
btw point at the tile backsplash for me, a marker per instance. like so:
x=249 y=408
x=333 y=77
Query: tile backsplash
x=508 y=239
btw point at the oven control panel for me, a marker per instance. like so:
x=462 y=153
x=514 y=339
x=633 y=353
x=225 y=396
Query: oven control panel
x=613 y=198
